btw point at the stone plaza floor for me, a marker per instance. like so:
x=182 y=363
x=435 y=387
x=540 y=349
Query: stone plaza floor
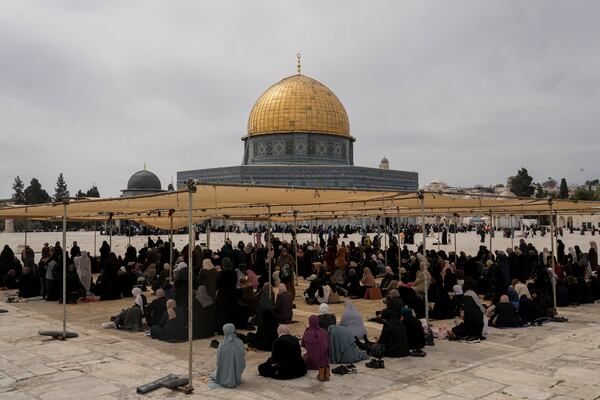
x=556 y=360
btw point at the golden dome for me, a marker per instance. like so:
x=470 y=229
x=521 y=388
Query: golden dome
x=298 y=104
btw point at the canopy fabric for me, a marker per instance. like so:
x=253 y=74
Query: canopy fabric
x=238 y=202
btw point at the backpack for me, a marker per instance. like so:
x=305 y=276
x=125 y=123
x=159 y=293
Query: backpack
x=285 y=273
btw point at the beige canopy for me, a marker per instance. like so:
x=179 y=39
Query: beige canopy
x=238 y=202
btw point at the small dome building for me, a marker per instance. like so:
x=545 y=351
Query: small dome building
x=142 y=182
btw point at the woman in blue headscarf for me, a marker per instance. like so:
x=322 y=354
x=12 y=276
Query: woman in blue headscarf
x=230 y=361
x=343 y=348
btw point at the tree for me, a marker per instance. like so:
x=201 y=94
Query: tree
x=80 y=194
x=92 y=192
x=61 y=192
x=563 y=192
x=170 y=187
x=539 y=192
x=521 y=184
x=18 y=196
x=583 y=193
x=35 y=194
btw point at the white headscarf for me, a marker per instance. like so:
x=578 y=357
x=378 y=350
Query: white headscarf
x=137 y=293
x=83 y=265
x=324 y=308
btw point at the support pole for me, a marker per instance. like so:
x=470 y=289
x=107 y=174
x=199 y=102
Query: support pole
x=438 y=229
x=421 y=196
x=455 y=229
x=129 y=232
x=208 y=235
x=191 y=184
x=491 y=229
x=95 y=229
x=268 y=250
x=385 y=239
x=296 y=243
x=171 y=246
x=64 y=269
x=553 y=280
x=399 y=256
x=25 y=232
x=110 y=231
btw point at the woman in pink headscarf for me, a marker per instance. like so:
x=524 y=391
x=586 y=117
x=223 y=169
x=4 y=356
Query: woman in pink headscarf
x=316 y=342
x=252 y=279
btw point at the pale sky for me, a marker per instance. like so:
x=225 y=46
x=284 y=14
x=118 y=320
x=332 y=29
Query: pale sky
x=462 y=91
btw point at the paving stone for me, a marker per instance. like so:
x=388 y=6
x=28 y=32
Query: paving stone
x=527 y=392
x=474 y=388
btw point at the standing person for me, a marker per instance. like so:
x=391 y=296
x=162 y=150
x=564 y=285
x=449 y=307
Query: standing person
x=225 y=306
x=203 y=310
x=75 y=251
x=231 y=360
x=286 y=265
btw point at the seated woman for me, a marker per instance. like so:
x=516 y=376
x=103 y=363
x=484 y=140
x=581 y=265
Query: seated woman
x=443 y=307
x=231 y=361
x=171 y=328
x=393 y=336
x=343 y=349
x=316 y=342
x=265 y=301
x=284 y=307
x=352 y=320
x=529 y=310
x=203 y=309
x=505 y=315
x=326 y=319
x=286 y=360
x=387 y=279
x=266 y=333
x=472 y=326
x=414 y=332
x=155 y=310
x=29 y=284
x=129 y=319
x=367 y=281
x=139 y=299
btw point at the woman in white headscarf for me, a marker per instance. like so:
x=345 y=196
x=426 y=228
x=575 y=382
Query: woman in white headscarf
x=139 y=298
x=83 y=265
x=230 y=361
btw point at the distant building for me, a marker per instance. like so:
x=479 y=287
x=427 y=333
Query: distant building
x=142 y=182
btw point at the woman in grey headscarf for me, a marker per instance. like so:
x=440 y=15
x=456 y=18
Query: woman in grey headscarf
x=265 y=302
x=343 y=348
x=230 y=361
x=352 y=320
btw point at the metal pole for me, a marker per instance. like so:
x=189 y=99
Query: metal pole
x=171 y=248
x=491 y=229
x=129 y=232
x=95 y=229
x=455 y=229
x=208 y=235
x=296 y=243
x=438 y=228
x=421 y=196
x=110 y=233
x=191 y=189
x=64 y=269
x=399 y=256
x=553 y=280
x=268 y=250
x=25 y=232
x=385 y=240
